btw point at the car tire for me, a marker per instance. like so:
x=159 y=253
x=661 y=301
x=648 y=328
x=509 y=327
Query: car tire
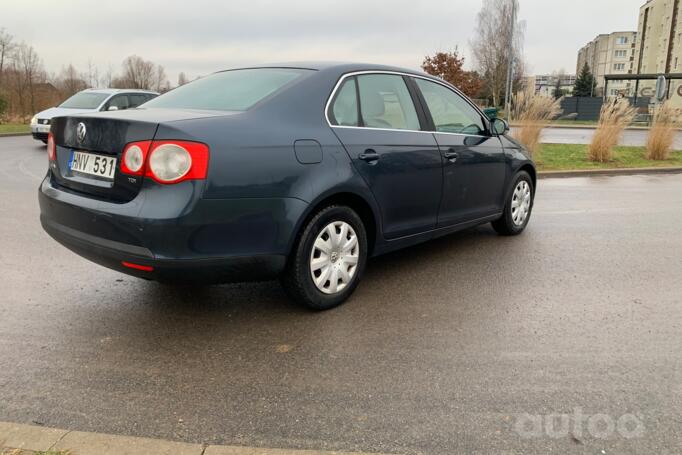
x=517 y=207
x=344 y=260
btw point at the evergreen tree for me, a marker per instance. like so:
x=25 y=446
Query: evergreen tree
x=585 y=83
x=558 y=79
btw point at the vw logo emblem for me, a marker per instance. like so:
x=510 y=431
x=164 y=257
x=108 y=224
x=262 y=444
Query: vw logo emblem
x=81 y=131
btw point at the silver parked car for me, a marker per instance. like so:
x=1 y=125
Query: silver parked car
x=90 y=100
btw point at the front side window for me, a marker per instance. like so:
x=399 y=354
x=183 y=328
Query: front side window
x=385 y=102
x=120 y=102
x=450 y=112
x=344 y=110
x=236 y=90
x=85 y=100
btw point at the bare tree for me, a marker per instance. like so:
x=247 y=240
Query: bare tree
x=70 y=81
x=108 y=77
x=490 y=46
x=161 y=84
x=93 y=75
x=6 y=48
x=31 y=69
x=182 y=79
x=137 y=73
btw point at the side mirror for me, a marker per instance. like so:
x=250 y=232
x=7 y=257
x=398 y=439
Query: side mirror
x=112 y=108
x=500 y=126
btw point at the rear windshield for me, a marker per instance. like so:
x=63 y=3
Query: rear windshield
x=84 y=100
x=236 y=90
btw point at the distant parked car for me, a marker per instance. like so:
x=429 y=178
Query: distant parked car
x=301 y=172
x=90 y=100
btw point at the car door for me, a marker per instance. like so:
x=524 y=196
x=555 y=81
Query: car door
x=474 y=169
x=376 y=118
x=120 y=102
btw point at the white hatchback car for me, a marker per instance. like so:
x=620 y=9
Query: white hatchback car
x=90 y=100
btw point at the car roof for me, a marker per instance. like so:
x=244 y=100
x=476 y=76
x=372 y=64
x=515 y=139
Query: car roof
x=339 y=67
x=112 y=91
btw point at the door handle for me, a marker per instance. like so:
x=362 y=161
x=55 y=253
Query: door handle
x=369 y=155
x=451 y=155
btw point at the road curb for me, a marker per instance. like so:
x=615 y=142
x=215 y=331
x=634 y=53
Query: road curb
x=588 y=127
x=14 y=134
x=610 y=172
x=43 y=439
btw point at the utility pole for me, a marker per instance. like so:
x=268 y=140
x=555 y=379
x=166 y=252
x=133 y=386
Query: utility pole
x=510 y=69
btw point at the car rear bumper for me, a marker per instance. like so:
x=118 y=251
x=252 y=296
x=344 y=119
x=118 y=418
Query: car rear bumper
x=185 y=239
x=209 y=270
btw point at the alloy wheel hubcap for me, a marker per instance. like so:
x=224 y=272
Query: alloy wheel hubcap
x=334 y=258
x=520 y=204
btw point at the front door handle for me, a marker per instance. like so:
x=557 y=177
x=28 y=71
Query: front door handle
x=370 y=156
x=451 y=155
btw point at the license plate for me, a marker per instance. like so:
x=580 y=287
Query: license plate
x=89 y=163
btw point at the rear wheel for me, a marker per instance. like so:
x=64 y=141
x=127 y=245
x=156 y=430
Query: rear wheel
x=518 y=207
x=328 y=260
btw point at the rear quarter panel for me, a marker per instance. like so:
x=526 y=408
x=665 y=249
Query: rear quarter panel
x=252 y=156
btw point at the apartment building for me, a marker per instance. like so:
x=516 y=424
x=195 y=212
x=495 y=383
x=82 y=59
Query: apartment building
x=612 y=53
x=659 y=48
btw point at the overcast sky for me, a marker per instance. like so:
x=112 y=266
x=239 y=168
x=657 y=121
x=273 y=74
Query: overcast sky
x=202 y=36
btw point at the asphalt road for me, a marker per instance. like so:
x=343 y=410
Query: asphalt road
x=461 y=345
x=584 y=136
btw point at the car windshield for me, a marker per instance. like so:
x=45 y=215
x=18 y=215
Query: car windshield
x=84 y=100
x=236 y=90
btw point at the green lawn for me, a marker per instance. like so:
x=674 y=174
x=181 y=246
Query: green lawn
x=14 y=128
x=563 y=157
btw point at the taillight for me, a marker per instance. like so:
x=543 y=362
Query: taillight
x=166 y=162
x=134 y=157
x=51 y=148
x=177 y=161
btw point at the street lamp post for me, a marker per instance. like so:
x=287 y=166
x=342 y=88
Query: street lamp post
x=510 y=69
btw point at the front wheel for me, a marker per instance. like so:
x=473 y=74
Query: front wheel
x=328 y=260
x=518 y=207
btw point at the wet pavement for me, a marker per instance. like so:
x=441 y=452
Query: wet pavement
x=473 y=343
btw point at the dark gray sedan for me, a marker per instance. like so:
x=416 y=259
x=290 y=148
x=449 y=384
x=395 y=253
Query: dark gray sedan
x=299 y=171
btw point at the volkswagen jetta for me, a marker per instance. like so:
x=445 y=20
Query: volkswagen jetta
x=298 y=172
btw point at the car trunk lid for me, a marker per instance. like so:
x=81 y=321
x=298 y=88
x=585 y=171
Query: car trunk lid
x=103 y=136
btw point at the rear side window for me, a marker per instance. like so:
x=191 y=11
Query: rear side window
x=236 y=90
x=344 y=110
x=450 y=112
x=385 y=102
x=137 y=99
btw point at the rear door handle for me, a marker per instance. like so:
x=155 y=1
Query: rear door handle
x=451 y=155
x=369 y=155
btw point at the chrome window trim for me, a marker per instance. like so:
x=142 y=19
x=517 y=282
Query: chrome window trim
x=398 y=73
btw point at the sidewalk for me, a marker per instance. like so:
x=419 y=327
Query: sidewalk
x=19 y=439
